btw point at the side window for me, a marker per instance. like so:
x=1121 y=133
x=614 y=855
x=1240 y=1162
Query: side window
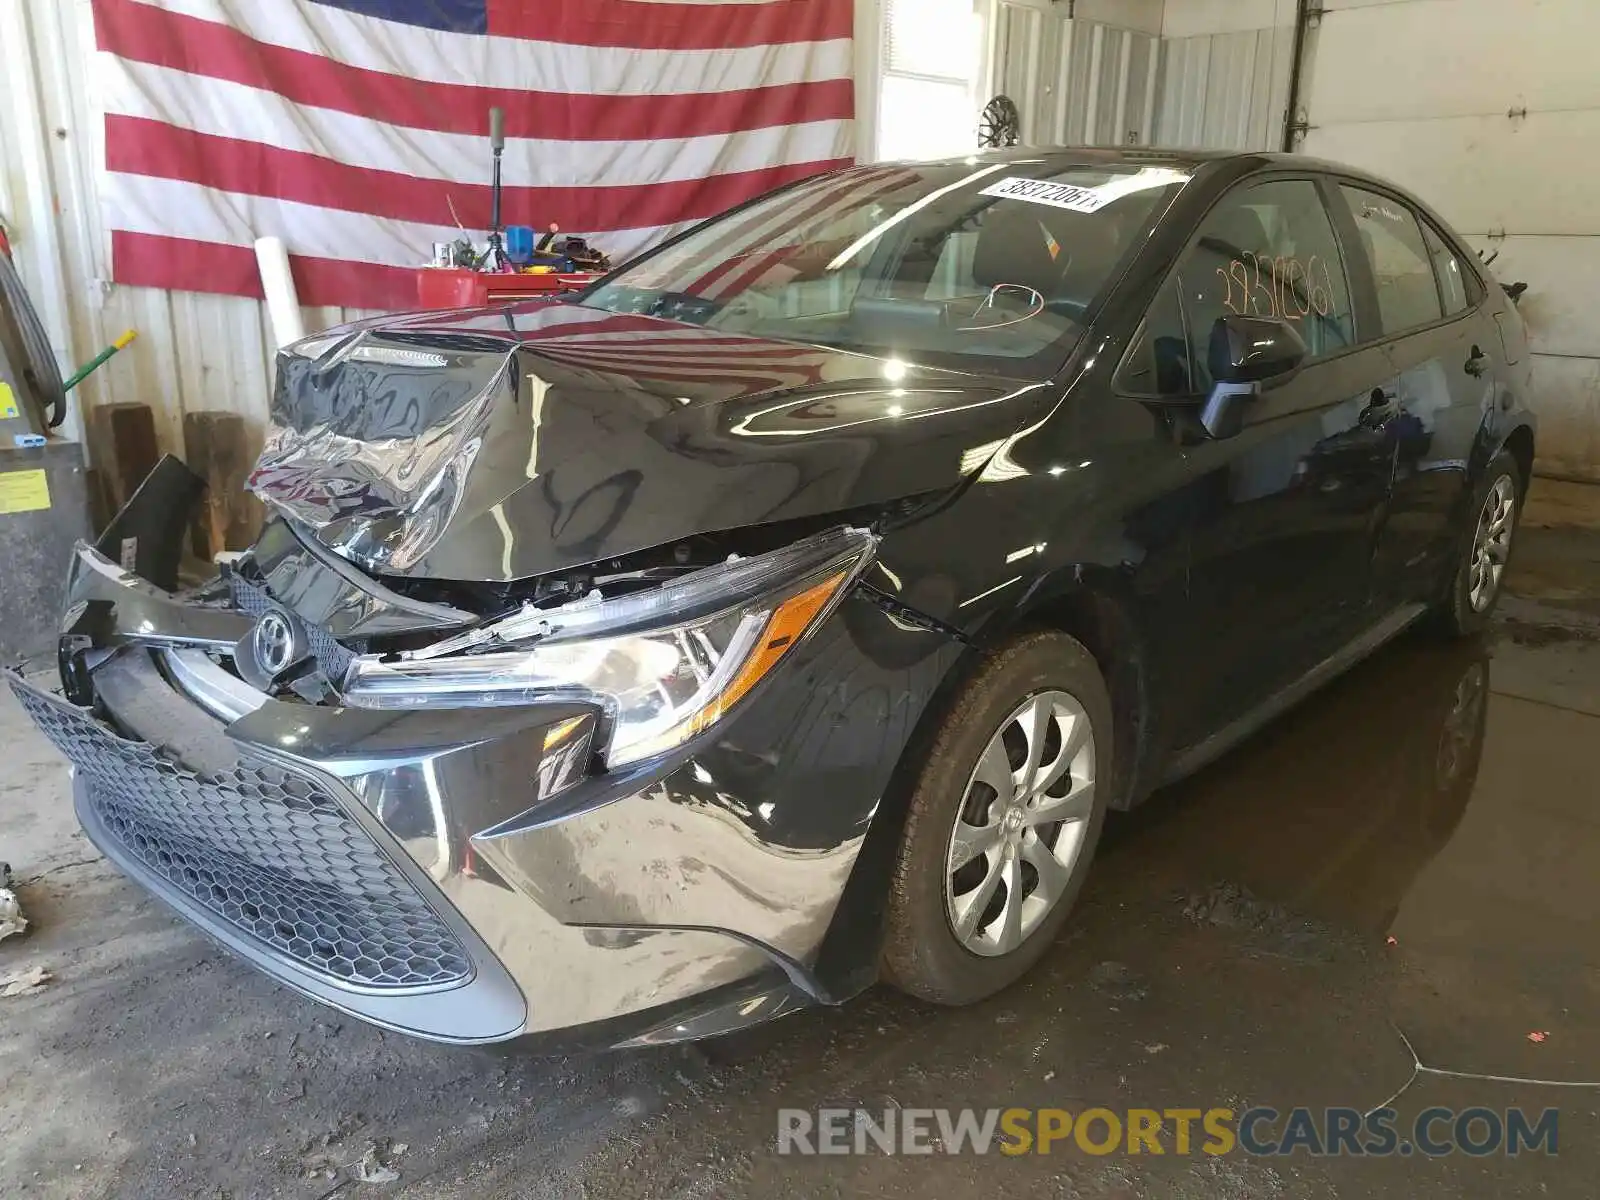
x=1158 y=362
x=1268 y=251
x=1455 y=283
x=1408 y=296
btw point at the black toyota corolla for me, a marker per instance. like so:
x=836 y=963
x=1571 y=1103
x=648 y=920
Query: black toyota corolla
x=786 y=611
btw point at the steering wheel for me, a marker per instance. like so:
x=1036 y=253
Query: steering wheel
x=1066 y=306
x=987 y=305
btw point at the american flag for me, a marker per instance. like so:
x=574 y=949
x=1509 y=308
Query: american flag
x=350 y=128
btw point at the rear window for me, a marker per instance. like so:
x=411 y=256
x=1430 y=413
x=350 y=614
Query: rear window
x=1408 y=294
x=1457 y=288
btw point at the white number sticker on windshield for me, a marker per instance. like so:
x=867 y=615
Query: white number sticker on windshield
x=1081 y=199
x=1042 y=191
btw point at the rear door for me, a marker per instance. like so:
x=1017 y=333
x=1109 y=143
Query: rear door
x=1428 y=304
x=1283 y=516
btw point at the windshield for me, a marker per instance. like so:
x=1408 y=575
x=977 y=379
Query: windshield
x=937 y=263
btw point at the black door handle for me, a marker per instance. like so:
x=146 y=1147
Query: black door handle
x=1476 y=362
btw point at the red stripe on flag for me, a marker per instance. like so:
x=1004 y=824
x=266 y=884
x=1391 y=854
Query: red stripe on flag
x=603 y=328
x=639 y=26
x=683 y=352
x=183 y=43
x=756 y=369
x=861 y=188
x=185 y=265
x=140 y=146
x=656 y=368
x=598 y=321
x=769 y=375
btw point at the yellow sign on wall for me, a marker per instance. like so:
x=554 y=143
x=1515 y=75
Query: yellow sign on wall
x=23 y=491
x=8 y=402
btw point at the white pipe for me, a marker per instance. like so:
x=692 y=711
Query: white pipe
x=283 y=304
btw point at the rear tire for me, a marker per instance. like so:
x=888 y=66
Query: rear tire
x=1036 y=720
x=1484 y=556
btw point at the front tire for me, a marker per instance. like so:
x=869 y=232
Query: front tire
x=1003 y=822
x=1485 y=553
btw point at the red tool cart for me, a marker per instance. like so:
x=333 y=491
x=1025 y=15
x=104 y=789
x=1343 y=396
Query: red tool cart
x=457 y=287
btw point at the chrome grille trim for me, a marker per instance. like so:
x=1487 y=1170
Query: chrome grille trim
x=213 y=687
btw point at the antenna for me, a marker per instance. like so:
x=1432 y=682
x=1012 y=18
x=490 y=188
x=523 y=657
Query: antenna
x=497 y=143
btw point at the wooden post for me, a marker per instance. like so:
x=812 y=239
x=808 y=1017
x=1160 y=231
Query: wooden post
x=123 y=443
x=218 y=448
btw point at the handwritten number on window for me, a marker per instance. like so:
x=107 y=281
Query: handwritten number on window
x=1282 y=287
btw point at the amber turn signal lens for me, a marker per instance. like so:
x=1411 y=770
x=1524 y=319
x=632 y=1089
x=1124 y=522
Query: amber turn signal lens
x=788 y=622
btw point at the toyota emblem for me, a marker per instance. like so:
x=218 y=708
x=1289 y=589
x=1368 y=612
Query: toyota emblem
x=274 y=643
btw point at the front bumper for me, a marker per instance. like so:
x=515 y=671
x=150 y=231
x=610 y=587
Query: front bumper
x=399 y=865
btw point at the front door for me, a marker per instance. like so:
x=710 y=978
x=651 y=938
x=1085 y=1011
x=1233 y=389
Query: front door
x=1284 y=517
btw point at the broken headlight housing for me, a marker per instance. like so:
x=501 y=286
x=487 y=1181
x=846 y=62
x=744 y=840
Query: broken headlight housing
x=664 y=665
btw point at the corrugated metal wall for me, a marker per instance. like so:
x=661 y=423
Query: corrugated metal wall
x=1082 y=82
x=1226 y=91
x=1076 y=82
x=194 y=352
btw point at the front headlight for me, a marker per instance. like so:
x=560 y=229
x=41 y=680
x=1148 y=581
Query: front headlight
x=664 y=664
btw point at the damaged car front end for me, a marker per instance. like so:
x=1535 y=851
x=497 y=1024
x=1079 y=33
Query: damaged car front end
x=431 y=756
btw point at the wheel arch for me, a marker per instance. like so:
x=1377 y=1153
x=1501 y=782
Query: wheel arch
x=1089 y=603
x=1490 y=440
x=1085 y=605
x=1519 y=444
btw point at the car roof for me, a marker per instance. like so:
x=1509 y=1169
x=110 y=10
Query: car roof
x=1152 y=156
x=1141 y=156
x=1230 y=165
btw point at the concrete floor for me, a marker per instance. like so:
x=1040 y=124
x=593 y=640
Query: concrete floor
x=1230 y=950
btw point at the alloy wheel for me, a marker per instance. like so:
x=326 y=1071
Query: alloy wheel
x=1021 y=825
x=1491 y=544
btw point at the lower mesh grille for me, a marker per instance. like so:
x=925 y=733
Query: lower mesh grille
x=266 y=849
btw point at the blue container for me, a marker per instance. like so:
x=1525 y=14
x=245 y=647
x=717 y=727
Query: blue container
x=519 y=244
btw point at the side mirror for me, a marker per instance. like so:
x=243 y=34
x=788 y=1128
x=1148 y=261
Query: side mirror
x=1246 y=356
x=1254 y=350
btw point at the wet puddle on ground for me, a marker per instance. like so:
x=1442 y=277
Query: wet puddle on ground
x=1412 y=853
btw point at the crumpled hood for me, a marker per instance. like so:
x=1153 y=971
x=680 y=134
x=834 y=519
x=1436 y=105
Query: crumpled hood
x=496 y=445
